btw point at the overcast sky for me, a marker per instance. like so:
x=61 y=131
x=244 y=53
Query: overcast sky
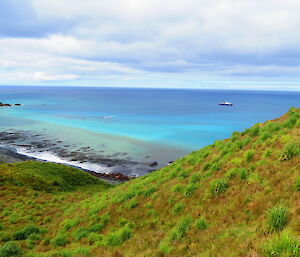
x=169 y=43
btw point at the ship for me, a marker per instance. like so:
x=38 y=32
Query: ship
x=226 y=103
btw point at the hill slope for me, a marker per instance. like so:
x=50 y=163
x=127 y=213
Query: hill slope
x=45 y=176
x=237 y=197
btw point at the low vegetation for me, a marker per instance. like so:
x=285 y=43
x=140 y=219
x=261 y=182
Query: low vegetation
x=237 y=197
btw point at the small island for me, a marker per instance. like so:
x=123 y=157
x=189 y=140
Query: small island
x=7 y=105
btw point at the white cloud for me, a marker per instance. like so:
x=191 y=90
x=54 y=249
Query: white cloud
x=128 y=39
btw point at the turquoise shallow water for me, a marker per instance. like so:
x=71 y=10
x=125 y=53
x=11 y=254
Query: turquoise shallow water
x=142 y=125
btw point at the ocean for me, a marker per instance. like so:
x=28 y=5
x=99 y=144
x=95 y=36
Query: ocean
x=128 y=130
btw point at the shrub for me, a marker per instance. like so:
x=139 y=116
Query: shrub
x=201 y=224
x=10 y=249
x=283 y=245
x=190 y=190
x=178 y=208
x=277 y=218
x=59 y=240
x=249 y=155
x=218 y=186
x=180 y=229
x=25 y=232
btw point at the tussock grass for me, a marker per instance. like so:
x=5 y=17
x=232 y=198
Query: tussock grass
x=278 y=218
x=26 y=232
x=60 y=240
x=218 y=186
x=120 y=236
x=10 y=249
x=178 y=208
x=221 y=200
x=282 y=245
x=201 y=224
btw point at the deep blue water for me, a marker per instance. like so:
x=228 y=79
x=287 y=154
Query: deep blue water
x=181 y=120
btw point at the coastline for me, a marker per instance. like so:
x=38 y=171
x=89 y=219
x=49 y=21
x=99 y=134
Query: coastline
x=9 y=155
x=93 y=156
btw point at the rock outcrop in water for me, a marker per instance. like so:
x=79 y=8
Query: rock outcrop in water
x=7 y=105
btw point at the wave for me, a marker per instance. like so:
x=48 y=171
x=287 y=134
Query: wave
x=51 y=157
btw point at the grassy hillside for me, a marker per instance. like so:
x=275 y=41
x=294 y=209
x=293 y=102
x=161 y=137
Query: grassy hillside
x=43 y=176
x=237 y=197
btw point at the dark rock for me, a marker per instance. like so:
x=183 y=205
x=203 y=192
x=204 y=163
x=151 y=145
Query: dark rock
x=153 y=164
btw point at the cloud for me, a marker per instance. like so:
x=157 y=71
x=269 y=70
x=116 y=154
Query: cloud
x=140 y=40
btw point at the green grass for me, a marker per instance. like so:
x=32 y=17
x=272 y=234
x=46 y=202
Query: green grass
x=44 y=176
x=26 y=232
x=278 y=218
x=180 y=230
x=282 y=245
x=10 y=249
x=223 y=200
x=190 y=190
x=201 y=224
x=218 y=186
x=249 y=156
x=119 y=237
x=291 y=150
x=59 y=240
x=178 y=208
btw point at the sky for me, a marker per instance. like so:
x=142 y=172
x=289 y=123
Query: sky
x=151 y=43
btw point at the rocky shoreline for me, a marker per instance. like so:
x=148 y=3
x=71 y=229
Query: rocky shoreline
x=8 y=155
x=118 y=167
x=118 y=162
